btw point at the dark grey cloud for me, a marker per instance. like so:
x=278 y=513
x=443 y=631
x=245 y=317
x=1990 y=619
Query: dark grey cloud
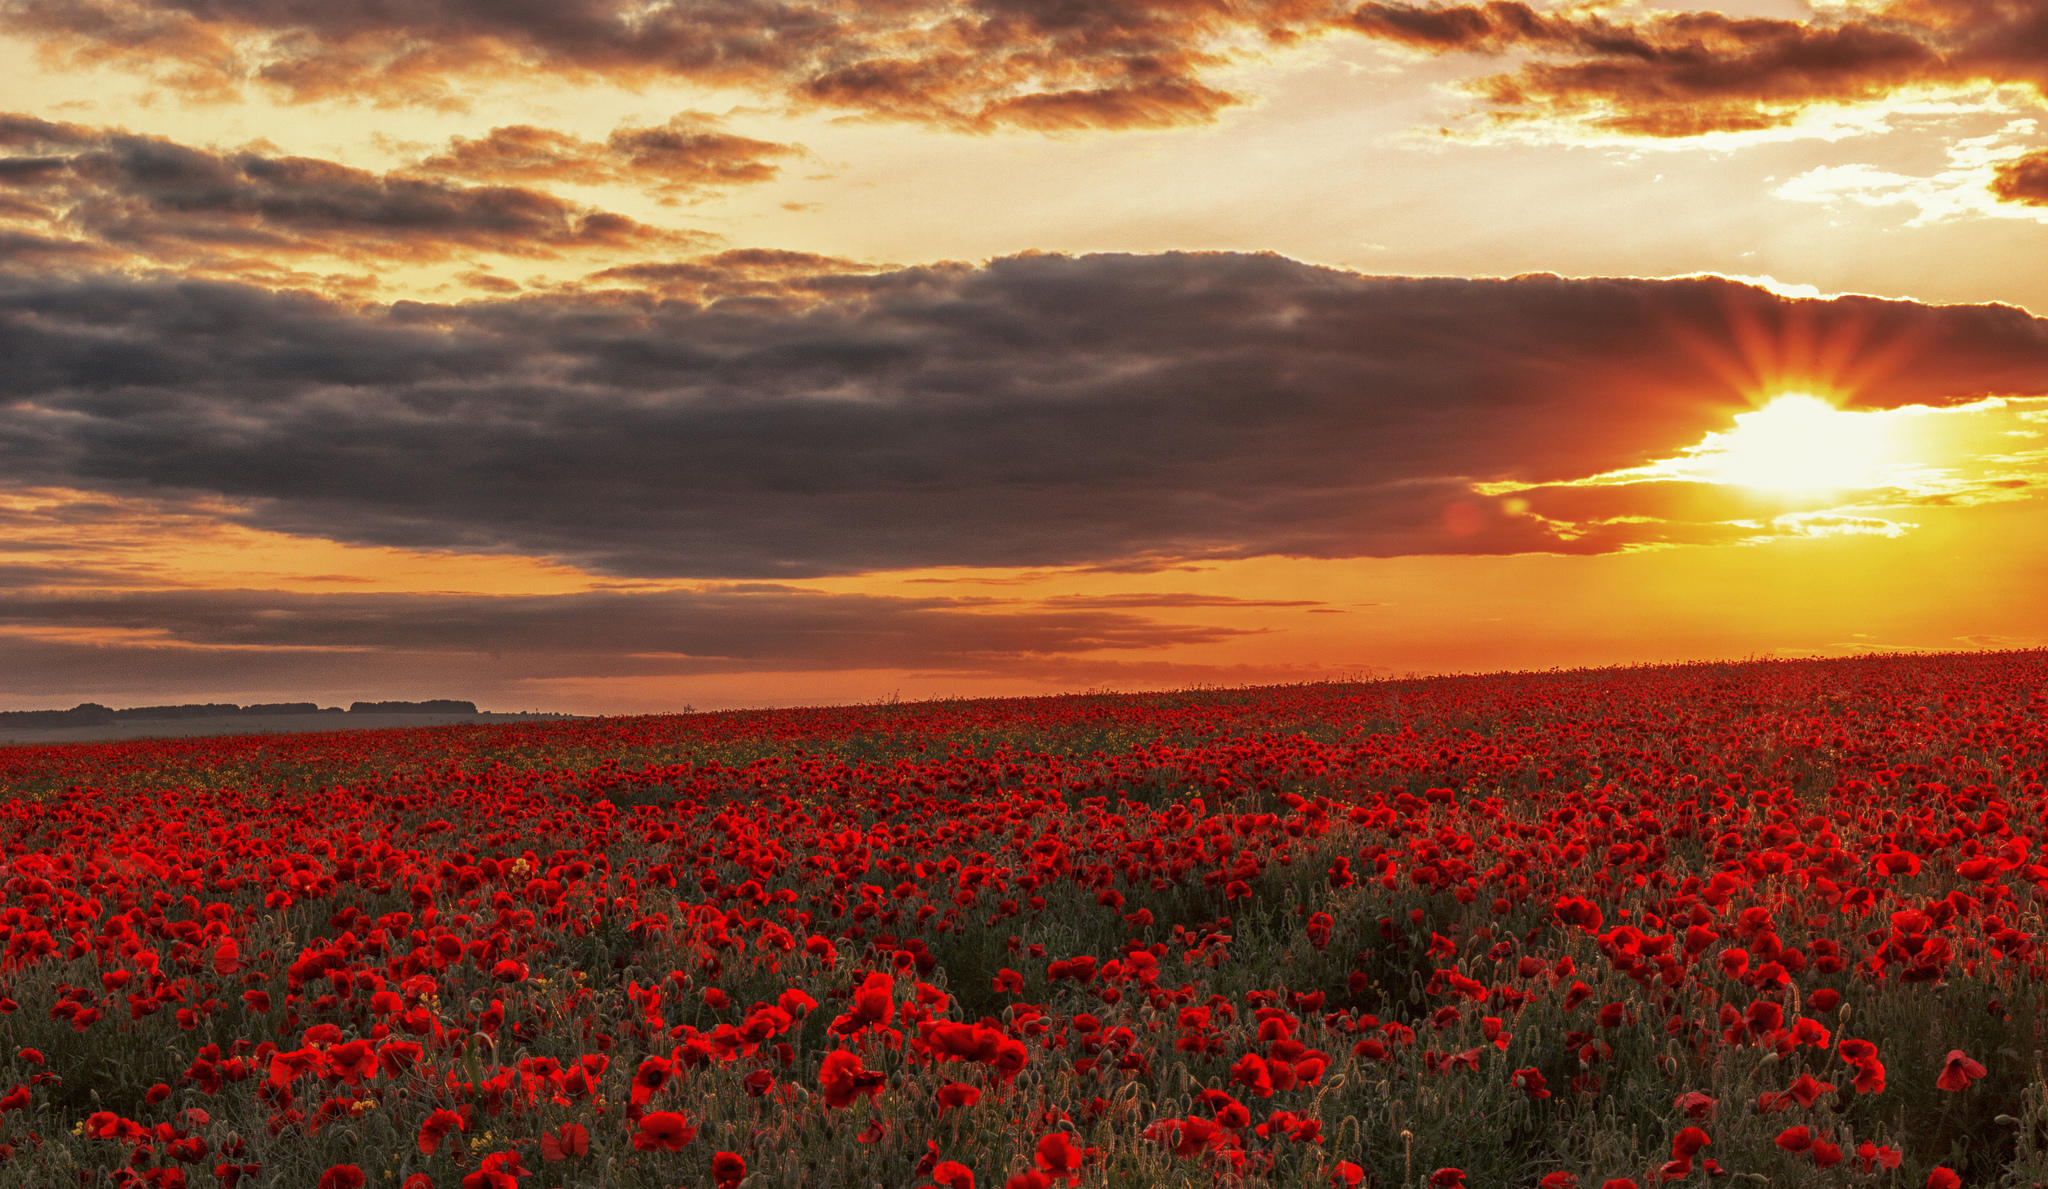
x=27 y=249
x=94 y=194
x=51 y=673
x=17 y=578
x=734 y=628
x=1038 y=411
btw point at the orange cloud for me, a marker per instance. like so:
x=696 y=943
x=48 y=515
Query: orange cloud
x=1021 y=63
x=688 y=153
x=1053 y=66
x=1673 y=74
x=2023 y=180
x=1043 y=65
x=757 y=273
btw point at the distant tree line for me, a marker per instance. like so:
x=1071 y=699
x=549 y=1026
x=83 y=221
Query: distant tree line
x=92 y=714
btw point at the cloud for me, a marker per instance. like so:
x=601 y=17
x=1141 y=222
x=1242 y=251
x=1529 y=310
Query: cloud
x=1028 y=63
x=128 y=645
x=762 y=273
x=26 y=249
x=1690 y=72
x=1979 y=178
x=737 y=628
x=2023 y=180
x=1168 y=600
x=1122 y=411
x=688 y=154
x=152 y=200
x=1038 y=64
x=1670 y=501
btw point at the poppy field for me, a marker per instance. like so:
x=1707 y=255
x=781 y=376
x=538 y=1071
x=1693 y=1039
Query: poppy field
x=1763 y=923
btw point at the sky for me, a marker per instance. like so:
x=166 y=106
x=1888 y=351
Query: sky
x=638 y=355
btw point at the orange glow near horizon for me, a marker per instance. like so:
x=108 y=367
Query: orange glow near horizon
x=1817 y=580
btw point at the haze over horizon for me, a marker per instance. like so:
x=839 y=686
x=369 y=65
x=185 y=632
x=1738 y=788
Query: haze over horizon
x=606 y=357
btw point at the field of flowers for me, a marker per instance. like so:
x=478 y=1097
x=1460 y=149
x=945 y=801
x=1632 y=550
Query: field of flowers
x=1751 y=923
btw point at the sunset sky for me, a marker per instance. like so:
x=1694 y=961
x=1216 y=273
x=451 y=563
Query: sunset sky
x=622 y=355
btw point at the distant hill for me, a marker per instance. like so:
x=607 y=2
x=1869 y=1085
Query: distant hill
x=92 y=714
x=433 y=706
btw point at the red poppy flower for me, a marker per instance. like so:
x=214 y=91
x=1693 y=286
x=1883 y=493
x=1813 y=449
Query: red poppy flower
x=397 y=1056
x=435 y=1128
x=874 y=1000
x=1576 y=910
x=1958 y=1071
x=664 y=1131
x=1190 y=1136
x=842 y=1078
x=651 y=1076
x=1871 y=1157
x=500 y=1170
x=1806 y=1089
x=1252 y=1072
x=351 y=1062
x=1943 y=1177
x=342 y=1176
x=1059 y=1158
x=570 y=1140
x=728 y=1169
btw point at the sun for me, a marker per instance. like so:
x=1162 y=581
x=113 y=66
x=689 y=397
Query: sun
x=1798 y=443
